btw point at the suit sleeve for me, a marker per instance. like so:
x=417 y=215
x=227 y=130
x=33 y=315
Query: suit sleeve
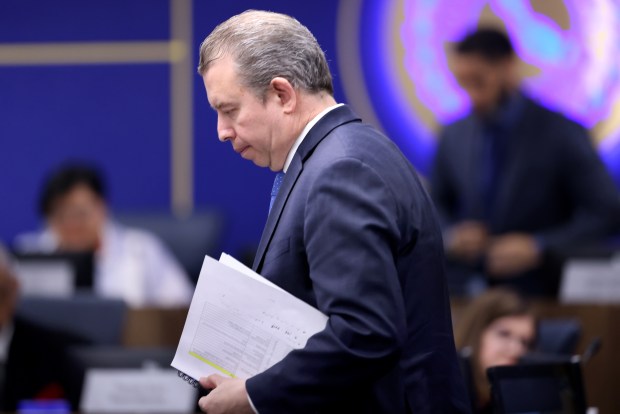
x=590 y=189
x=351 y=237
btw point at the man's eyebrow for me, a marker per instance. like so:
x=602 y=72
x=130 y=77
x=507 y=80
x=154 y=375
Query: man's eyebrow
x=220 y=105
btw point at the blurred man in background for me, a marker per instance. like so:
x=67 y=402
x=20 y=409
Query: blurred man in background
x=130 y=264
x=515 y=183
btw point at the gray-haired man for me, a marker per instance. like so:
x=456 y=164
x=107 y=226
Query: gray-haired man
x=351 y=231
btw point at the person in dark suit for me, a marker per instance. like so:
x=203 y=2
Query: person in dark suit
x=516 y=184
x=351 y=231
x=34 y=364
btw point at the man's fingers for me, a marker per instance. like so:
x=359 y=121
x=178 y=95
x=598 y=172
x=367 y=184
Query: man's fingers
x=212 y=381
x=202 y=403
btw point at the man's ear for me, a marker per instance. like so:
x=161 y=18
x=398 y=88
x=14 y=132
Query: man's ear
x=285 y=93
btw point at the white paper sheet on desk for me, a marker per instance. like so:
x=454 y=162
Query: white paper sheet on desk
x=239 y=324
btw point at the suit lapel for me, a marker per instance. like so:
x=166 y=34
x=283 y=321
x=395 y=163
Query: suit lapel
x=333 y=119
x=276 y=210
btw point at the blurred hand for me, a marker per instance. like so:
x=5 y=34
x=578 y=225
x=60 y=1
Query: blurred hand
x=467 y=240
x=512 y=254
x=228 y=395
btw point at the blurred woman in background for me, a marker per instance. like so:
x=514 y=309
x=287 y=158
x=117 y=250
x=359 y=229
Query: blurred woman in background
x=497 y=328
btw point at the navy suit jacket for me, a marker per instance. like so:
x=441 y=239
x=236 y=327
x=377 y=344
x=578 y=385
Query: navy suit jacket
x=553 y=184
x=353 y=233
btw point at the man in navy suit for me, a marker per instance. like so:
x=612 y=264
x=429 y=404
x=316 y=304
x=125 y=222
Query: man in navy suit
x=351 y=231
x=515 y=183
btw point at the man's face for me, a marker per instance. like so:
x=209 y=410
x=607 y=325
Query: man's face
x=257 y=129
x=485 y=82
x=77 y=219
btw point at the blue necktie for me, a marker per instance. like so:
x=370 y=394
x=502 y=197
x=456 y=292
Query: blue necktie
x=277 y=182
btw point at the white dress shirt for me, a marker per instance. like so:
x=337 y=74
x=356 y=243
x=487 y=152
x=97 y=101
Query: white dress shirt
x=304 y=132
x=131 y=264
x=134 y=265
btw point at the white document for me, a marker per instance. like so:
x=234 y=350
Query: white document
x=591 y=281
x=239 y=324
x=136 y=391
x=233 y=263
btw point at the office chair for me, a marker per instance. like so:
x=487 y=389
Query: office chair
x=558 y=336
x=188 y=238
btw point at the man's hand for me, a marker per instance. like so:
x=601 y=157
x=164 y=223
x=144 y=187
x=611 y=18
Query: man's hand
x=467 y=240
x=228 y=395
x=512 y=254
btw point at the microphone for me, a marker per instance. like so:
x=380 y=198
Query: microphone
x=592 y=349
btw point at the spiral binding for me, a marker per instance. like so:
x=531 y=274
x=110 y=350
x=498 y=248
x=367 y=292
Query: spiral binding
x=189 y=379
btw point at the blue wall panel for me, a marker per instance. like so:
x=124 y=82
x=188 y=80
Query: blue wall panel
x=113 y=115
x=118 y=115
x=79 y=20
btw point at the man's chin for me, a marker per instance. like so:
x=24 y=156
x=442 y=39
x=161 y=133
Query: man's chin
x=260 y=163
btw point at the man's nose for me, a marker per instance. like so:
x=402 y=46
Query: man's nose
x=224 y=131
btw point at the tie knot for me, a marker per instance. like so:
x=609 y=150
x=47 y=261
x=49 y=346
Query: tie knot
x=277 y=182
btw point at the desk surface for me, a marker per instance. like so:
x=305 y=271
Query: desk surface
x=163 y=327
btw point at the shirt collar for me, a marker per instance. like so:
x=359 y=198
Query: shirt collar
x=304 y=132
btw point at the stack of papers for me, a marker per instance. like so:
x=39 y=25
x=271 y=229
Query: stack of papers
x=239 y=324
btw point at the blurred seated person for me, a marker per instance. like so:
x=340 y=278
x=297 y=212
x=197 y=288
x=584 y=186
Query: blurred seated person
x=32 y=358
x=130 y=264
x=516 y=184
x=497 y=328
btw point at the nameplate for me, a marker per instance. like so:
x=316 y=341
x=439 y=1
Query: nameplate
x=136 y=391
x=591 y=281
